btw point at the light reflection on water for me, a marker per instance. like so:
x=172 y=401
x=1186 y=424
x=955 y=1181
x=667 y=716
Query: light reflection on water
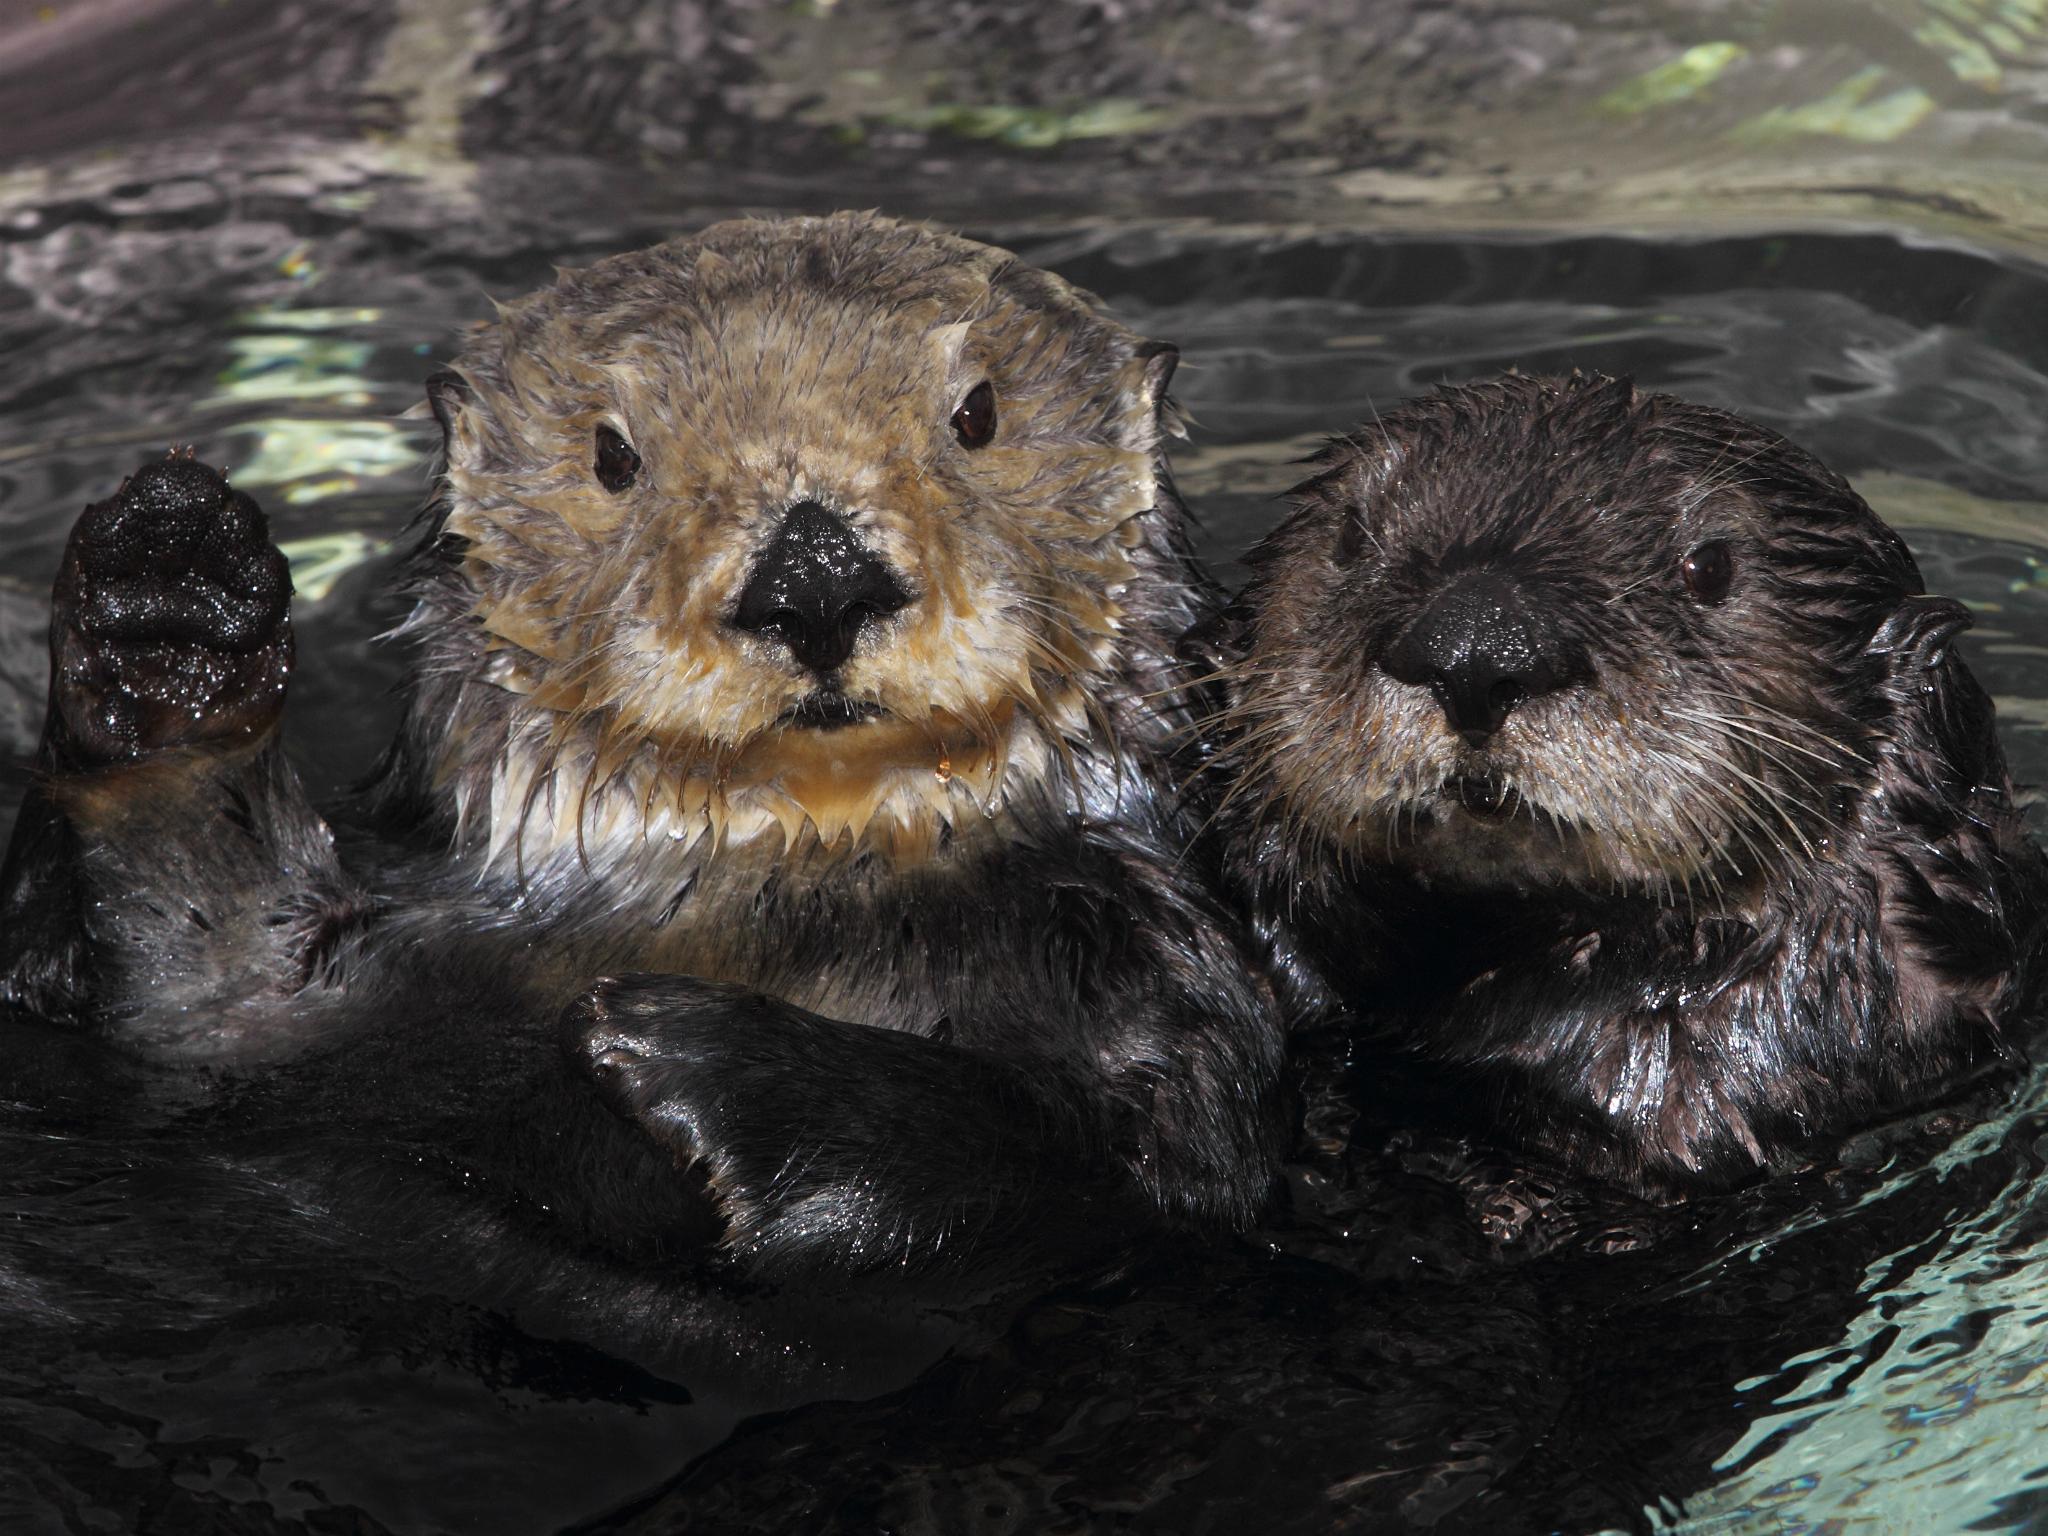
x=1928 y=1413
x=1917 y=370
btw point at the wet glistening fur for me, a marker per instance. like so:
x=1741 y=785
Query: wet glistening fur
x=791 y=717
x=1603 y=753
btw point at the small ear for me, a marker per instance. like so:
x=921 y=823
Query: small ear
x=1917 y=635
x=1160 y=359
x=1144 y=379
x=946 y=343
x=448 y=395
x=709 y=265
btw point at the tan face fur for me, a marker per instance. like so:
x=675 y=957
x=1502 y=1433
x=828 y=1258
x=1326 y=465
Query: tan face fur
x=751 y=368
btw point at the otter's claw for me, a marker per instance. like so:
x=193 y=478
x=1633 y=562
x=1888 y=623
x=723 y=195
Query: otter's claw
x=170 y=626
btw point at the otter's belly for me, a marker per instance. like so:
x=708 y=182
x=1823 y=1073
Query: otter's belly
x=861 y=982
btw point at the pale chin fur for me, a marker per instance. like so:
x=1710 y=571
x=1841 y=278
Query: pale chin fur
x=540 y=811
x=1565 y=832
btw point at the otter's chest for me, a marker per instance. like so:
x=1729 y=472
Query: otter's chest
x=859 y=956
x=875 y=945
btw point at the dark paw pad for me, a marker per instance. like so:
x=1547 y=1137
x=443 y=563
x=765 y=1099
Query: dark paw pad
x=171 y=625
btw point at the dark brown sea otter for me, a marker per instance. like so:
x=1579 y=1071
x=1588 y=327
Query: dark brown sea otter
x=794 y=622
x=1603 y=753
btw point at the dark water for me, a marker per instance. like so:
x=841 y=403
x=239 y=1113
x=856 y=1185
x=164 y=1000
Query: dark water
x=1861 y=1345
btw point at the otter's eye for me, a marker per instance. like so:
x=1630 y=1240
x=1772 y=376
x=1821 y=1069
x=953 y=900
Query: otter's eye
x=617 y=463
x=1708 y=570
x=974 y=421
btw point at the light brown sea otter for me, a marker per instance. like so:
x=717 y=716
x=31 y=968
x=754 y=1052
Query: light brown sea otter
x=794 y=625
x=1604 y=754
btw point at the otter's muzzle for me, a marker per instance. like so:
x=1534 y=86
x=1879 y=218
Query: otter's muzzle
x=815 y=586
x=1482 y=646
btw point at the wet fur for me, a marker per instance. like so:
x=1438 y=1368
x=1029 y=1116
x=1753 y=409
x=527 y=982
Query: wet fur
x=1764 y=878
x=933 y=991
x=578 y=678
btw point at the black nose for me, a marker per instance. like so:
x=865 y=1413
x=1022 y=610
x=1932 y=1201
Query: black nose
x=1482 y=646
x=814 y=586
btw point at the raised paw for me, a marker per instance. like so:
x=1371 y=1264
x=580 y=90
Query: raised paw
x=170 y=625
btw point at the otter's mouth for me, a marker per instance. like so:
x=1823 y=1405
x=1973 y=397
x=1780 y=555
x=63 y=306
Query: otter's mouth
x=1484 y=795
x=828 y=710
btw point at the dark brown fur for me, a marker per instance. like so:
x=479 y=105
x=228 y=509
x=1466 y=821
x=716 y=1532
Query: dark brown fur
x=903 y=956
x=1717 y=873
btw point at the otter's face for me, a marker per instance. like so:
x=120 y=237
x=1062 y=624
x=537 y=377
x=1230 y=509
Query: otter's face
x=1554 y=633
x=793 y=526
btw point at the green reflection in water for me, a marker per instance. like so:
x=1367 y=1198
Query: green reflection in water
x=319 y=562
x=1978 y=38
x=307 y=319
x=1849 y=111
x=318 y=458
x=1862 y=1432
x=269 y=367
x=1677 y=79
x=1032 y=127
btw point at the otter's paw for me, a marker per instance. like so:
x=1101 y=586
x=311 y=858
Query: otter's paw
x=828 y=1146
x=170 y=626
x=725 y=1080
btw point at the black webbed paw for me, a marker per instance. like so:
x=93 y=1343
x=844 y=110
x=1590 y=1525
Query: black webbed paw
x=840 y=1146
x=720 y=1078
x=170 y=626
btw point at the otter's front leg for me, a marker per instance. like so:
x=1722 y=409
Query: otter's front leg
x=847 y=1148
x=166 y=864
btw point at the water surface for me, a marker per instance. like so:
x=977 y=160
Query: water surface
x=1855 y=1346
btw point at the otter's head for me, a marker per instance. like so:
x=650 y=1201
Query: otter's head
x=1540 y=633
x=831 y=530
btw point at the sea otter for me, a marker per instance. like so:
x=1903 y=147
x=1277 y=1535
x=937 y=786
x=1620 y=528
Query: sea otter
x=792 y=711
x=1603 y=753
